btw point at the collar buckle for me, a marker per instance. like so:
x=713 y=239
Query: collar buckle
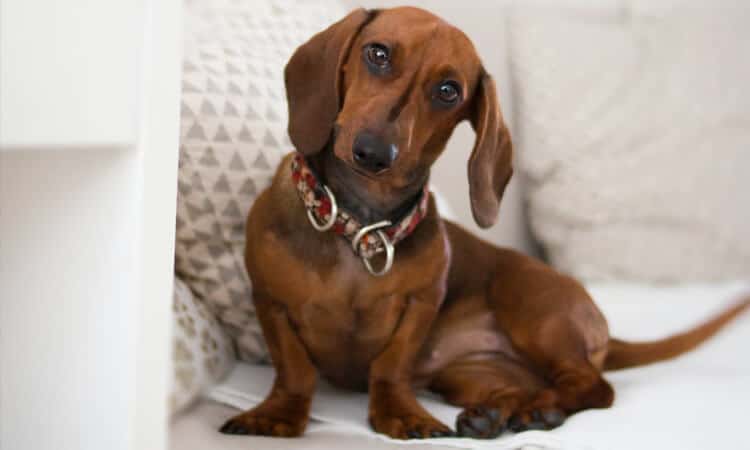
x=389 y=249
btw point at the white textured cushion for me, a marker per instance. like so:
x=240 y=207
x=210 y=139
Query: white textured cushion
x=234 y=122
x=633 y=134
x=202 y=353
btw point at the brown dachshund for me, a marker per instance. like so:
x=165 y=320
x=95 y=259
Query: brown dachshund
x=357 y=278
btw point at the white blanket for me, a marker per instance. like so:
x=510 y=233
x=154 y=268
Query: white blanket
x=698 y=401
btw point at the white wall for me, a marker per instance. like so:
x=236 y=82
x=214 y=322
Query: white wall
x=69 y=278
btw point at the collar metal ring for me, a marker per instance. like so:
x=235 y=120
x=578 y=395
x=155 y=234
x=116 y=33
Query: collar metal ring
x=388 y=256
x=389 y=250
x=331 y=220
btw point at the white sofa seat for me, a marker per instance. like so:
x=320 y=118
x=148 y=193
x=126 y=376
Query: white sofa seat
x=697 y=401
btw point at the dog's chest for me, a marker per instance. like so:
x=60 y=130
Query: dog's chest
x=345 y=333
x=347 y=324
x=344 y=316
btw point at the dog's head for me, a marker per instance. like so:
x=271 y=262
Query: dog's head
x=388 y=87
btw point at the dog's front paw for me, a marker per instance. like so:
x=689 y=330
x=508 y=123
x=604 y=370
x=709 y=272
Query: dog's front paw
x=395 y=411
x=409 y=426
x=269 y=419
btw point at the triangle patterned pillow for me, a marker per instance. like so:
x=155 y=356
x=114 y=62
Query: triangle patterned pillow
x=233 y=134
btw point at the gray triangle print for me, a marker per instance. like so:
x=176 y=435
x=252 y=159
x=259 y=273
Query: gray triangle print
x=189 y=244
x=237 y=231
x=222 y=135
x=252 y=90
x=230 y=110
x=212 y=86
x=236 y=163
x=183 y=187
x=209 y=158
x=232 y=210
x=270 y=140
x=207 y=109
x=222 y=184
x=196 y=182
x=260 y=162
x=234 y=89
x=239 y=298
x=208 y=206
x=184 y=157
x=215 y=250
x=248 y=187
x=185 y=111
x=196 y=132
x=245 y=135
x=226 y=273
x=202 y=236
x=198 y=265
x=251 y=114
x=216 y=233
x=194 y=212
x=211 y=287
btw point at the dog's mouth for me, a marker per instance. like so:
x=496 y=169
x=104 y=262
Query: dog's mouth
x=364 y=173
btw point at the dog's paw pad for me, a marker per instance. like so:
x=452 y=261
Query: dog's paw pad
x=259 y=425
x=546 y=419
x=479 y=423
x=233 y=427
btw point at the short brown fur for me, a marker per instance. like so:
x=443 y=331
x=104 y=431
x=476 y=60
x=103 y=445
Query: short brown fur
x=501 y=334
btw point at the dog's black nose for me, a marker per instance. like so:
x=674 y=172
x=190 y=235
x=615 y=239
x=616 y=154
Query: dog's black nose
x=372 y=153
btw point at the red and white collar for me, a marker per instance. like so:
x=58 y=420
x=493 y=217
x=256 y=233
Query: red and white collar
x=366 y=240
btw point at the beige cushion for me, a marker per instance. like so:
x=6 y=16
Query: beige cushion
x=202 y=352
x=632 y=134
x=233 y=135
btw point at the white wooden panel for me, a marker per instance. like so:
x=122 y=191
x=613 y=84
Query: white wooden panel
x=159 y=143
x=68 y=283
x=69 y=72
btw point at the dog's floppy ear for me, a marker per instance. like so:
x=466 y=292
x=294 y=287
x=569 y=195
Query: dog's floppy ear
x=312 y=78
x=490 y=163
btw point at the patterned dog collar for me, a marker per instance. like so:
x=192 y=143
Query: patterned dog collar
x=367 y=241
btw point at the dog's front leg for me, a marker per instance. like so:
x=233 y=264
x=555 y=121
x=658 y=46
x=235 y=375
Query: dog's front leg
x=394 y=409
x=286 y=410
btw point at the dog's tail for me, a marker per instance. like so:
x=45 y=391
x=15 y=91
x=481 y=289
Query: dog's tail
x=623 y=354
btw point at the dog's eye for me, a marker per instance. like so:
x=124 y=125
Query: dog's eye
x=448 y=92
x=377 y=56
